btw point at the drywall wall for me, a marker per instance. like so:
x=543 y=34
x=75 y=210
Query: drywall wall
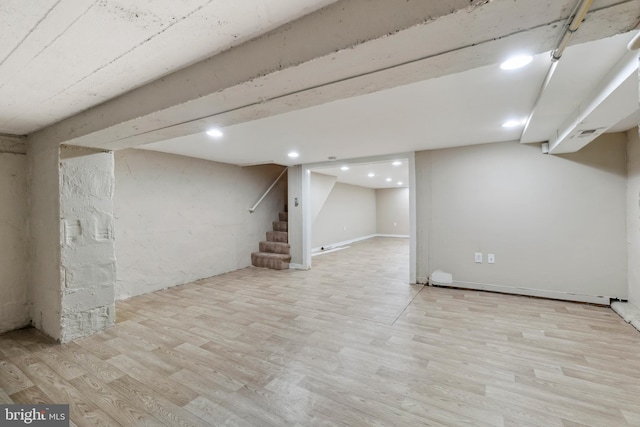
x=179 y=219
x=392 y=211
x=554 y=223
x=348 y=213
x=633 y=215
x=296 y=205
x=321 y=186
x=14 y=241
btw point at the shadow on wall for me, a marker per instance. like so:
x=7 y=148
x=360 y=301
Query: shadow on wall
x=595 y=157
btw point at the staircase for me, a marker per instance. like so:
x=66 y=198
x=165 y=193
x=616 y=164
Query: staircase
x=274 y=252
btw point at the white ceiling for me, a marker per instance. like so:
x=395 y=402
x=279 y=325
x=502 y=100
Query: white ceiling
x=376 y=77
x=59 y=57
x=358 y=173
x=459 y=109
x=455 y=110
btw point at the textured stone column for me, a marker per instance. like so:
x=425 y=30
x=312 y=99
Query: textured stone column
x=72 y=277
x=87 y=255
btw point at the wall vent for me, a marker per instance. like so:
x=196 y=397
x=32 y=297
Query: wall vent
x=586 y=133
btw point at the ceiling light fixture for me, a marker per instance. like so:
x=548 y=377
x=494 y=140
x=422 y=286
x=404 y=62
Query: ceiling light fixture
x=513 y=123
x=371 y=175
x=293 y=154
x=516 y=62
x=397 y=163
x=399 y=182
x=388 y=179
x=344 y=168
x=215 y=133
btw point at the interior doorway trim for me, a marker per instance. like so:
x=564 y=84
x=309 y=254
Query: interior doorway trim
x=306 y=211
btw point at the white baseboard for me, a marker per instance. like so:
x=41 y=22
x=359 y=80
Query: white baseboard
x=542 y=293
x=343 y=243
x=357 y=239
x=328 y=251
x=293 y=266
x=629 y=313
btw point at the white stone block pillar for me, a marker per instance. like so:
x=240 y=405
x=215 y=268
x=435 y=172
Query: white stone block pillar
x=87 y=250
x=73 y=274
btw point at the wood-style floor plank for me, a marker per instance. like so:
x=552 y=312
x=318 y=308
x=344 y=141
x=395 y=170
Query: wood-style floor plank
x=348 y=343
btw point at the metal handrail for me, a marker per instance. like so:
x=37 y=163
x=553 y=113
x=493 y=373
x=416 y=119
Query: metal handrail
x=251 y=210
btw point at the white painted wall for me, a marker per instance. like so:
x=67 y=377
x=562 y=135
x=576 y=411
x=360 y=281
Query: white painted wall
x=555 y=223
x=321 y=186
x=348 y=213
x=392 y=211
x=45 y=284
x=296 y=204
x=14 y=241
x=180 y=219
x=633 y=215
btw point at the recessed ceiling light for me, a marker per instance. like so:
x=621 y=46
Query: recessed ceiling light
x=516 y=62
x=344 y=168
x=513 y=123
x=371 y=175
x=399 y=182
x=388 y=180
x=293 y=154
x=397 y=163
x=215 y=133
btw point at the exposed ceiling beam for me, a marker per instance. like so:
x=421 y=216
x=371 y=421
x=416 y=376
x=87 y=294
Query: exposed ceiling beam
x=12 y=144
x=331 y=54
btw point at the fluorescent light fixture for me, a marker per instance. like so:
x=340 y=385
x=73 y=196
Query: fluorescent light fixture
x=344 y=168
x=293 y=154
x=388 y=180
x=516 y=62
x=399 y=182
x=215 y=133
x=371 y=175
x=514 y=123
x=397 y=163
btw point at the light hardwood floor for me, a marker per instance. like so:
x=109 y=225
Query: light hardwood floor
x=348 y=343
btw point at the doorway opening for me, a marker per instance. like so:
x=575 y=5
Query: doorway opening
x=357 y=200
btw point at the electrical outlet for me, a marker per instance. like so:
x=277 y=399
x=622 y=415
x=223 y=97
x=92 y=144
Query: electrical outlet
x=491 y=258
x=479 y=257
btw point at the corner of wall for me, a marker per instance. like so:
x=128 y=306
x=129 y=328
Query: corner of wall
x=44 y=240
x=14 y=234
x=423 y=214
x=633 y=215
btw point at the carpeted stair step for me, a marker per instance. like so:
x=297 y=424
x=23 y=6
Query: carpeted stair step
x=280 y=226
x=283 y=216
x=275 y=247
x=270 y=260
x=277 y=236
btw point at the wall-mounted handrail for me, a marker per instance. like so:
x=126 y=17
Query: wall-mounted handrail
x=251 y=210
